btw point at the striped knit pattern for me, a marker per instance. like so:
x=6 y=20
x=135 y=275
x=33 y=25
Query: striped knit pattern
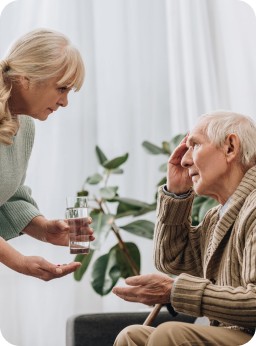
x=17 y=208
x=215 y=261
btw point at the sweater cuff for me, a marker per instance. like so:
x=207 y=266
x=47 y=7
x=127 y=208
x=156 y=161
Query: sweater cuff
x=16 y=219
x=187 y=293
x=172 y=194
x=174 y=211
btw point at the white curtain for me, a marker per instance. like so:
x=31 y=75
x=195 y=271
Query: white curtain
x=153 y=66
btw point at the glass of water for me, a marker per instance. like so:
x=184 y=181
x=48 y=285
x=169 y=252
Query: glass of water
x=76 y=217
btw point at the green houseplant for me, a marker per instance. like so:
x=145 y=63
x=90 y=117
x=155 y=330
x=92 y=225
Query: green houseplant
x=107 y=208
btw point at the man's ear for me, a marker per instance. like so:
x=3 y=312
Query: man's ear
x=24 y=82
x=231 y=147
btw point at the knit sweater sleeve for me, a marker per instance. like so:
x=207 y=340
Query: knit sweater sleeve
x=176 y=243
x=17 y=212
x=230 y=305
x=17 y=207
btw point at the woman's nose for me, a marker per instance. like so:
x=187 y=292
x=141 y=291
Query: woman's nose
x=186 y=160
x=63 y=101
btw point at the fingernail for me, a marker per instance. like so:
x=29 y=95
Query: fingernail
x=58 y=270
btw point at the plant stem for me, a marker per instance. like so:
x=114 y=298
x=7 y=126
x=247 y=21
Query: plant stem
x=123 y=247
x=121 y=243
x=106 y=178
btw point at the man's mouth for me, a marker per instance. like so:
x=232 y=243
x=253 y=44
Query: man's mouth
x=193 y=174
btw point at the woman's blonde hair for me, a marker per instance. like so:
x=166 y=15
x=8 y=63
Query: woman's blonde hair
x=39 y=55
x=219 y=124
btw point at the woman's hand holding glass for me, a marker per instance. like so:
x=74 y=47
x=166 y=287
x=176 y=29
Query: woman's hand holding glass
x=80 y=234
x=55 y=232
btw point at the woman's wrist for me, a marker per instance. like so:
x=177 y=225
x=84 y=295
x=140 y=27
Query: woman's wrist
x=37 y=228
x=10 y=257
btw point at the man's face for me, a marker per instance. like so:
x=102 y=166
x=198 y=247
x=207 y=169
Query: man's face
x=206 y=164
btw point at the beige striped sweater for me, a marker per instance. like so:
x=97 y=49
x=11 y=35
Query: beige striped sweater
x=215 y=261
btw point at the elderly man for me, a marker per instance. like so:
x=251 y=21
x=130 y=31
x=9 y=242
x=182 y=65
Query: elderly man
x=215 y=262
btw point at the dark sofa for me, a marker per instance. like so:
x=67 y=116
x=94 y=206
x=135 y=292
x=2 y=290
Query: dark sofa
x=100 y=329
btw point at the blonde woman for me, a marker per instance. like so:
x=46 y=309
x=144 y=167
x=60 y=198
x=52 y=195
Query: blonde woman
x=35 y=79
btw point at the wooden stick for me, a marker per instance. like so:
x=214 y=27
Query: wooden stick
x=152 y=315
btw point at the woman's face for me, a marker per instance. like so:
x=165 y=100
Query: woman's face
x=39 y=100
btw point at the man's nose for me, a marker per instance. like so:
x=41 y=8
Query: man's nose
x=186 y=160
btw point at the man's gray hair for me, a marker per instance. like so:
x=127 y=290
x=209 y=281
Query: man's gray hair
x=218 y=125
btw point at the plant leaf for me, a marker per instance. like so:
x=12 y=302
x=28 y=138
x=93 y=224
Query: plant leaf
x=122 y=261
x=85 y=260
x=166 y=147
x=175 y=141
x=162 y=181
x=105 y=273
x=117 y=171
x=197 y=203
x=108 y=192
x=128 y=206
x=133 y=203
x=94 y=179
x=142 y=228
x=108 y=268
x=208 y=204
x=101 y=225
x=148 y=209
x=116 y=162
x=100 y=155
x=82 y=193
x=163 y=168
x=152 y=148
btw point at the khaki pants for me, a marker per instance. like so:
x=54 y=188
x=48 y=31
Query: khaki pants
x=180 y=334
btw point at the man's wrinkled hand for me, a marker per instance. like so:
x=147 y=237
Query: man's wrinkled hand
x=149 y=289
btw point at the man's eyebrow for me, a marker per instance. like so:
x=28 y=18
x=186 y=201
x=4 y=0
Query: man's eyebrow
x=190 y=140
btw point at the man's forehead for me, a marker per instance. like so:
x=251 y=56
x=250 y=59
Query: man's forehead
x=195 y=134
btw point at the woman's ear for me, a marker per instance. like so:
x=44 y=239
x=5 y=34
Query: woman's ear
x=232 y=147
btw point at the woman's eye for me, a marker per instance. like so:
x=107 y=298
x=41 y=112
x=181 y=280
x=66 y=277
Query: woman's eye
x=62 y=90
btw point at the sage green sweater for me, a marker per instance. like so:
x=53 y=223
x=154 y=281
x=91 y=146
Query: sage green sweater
x=17 y=207
x=215 y=261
